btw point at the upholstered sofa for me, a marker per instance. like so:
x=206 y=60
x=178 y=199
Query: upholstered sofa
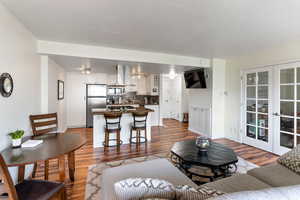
x=274 y=175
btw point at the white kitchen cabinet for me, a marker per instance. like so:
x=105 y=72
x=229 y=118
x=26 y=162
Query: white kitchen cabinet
x=141 y=86
x=153 y=84
x=154 y=116
x=131 y=84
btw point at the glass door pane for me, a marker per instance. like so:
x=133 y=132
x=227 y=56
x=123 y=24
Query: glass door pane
x=289 y=104
x=257 y=109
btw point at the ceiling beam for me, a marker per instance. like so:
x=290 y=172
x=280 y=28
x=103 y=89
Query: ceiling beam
x=99 y=52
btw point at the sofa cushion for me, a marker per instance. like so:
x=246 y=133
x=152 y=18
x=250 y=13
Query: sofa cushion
x=291 y=159
x=279 y=193
x=158 y=168
x=275 y=175
x=237 y=183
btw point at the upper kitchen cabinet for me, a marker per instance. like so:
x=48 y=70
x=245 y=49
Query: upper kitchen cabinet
x=153 y=84
x=131 y=84
x=141 y=85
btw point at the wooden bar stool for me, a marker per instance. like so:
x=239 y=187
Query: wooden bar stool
x=113 y=125
x=139 y=124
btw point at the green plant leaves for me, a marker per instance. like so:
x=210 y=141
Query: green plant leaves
x=16 y=134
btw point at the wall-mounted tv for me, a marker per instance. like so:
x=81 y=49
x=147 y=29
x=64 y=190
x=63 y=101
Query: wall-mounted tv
x=195 y=78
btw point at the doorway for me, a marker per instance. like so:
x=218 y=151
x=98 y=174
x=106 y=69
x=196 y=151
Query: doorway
x=271 y=107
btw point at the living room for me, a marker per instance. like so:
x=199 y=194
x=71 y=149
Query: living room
x=236 y=133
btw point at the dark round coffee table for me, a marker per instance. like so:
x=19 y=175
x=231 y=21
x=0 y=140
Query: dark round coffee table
x=220 y=159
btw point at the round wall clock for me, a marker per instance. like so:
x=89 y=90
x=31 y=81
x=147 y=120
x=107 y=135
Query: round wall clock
x=6 y=84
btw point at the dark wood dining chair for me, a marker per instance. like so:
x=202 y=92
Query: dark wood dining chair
x=41 y=125
x=139 y=124
x=112 y=125
x=30 y=189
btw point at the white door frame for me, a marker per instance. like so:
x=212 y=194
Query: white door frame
x=268 y=146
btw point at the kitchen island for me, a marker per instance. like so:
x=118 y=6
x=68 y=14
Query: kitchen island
x=126 y=121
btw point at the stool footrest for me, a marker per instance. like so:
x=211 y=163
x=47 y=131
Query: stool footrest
x=107 y=145
x=141 y=137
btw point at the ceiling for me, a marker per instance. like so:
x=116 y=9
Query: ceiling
x=205 y=28
x=72 y=64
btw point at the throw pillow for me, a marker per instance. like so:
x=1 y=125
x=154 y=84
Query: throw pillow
x=188 y=193
x=148 y=188
x=291 y=159
x=144 y=188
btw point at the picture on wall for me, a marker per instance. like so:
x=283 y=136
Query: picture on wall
x=60 y=90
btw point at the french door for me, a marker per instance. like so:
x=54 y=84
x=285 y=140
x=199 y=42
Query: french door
x=257 y=114
x=271 y=111
x=287 y=107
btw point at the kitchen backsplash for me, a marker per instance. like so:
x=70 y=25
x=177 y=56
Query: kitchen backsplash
x=132 y=97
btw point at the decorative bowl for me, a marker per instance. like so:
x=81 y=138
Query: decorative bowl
x=203 y=143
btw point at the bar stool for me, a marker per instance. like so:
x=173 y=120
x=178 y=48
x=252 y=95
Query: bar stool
x=113 y=125
x=139 y=124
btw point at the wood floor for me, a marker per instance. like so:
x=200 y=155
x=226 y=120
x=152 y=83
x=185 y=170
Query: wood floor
x=162 y=140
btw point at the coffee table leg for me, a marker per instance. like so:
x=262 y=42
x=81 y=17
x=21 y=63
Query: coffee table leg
x=61 y=164
x=71 y=163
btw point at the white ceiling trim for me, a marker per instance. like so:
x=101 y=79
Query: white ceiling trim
x=99 y=52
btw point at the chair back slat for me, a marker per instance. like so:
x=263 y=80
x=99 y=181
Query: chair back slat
x=113 y=119
x=43 y=124
x=140 y=119
x=8 y=183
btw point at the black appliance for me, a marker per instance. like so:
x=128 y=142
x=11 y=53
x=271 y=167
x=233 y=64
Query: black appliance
x=195 y=78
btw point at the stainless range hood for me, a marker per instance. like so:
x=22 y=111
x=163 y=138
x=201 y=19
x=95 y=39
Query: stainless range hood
x=122 y=76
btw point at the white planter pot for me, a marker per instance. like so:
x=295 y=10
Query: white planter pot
x=16 y=142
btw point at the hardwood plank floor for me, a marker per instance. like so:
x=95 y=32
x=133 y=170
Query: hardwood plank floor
x=162 y=140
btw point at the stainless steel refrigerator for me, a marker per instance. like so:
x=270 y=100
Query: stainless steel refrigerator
x=95 y=98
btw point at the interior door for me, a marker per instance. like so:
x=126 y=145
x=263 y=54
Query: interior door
x=257 y=109
x=167 y=98
x=287 y=110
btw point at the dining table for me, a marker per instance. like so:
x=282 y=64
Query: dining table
x=54 y=146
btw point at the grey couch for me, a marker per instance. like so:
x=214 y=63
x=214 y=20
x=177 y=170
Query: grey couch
x=269 y=176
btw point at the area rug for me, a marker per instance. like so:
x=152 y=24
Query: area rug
x=93 y=182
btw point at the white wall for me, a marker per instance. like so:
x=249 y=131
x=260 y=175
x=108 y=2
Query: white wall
x=55 y=73
x=275 y=55
x=18 y=57
x=218 y=98
x=75 y=95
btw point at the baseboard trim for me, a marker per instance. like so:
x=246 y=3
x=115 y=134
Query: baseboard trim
x=77 y=126
x=194 y=131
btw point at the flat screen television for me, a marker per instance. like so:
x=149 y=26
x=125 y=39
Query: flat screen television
x=195 y=78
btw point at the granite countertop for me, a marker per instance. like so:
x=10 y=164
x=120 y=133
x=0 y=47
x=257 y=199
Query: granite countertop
x=103 y=111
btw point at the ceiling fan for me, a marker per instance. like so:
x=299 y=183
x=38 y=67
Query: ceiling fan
x=85 y=69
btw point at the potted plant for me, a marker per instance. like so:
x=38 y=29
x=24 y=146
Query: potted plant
x=16 y=137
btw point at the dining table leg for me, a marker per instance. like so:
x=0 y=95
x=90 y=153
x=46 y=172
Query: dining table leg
x=62 y=168
x=21 y=173
x=71 y=165
x=46 y=169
